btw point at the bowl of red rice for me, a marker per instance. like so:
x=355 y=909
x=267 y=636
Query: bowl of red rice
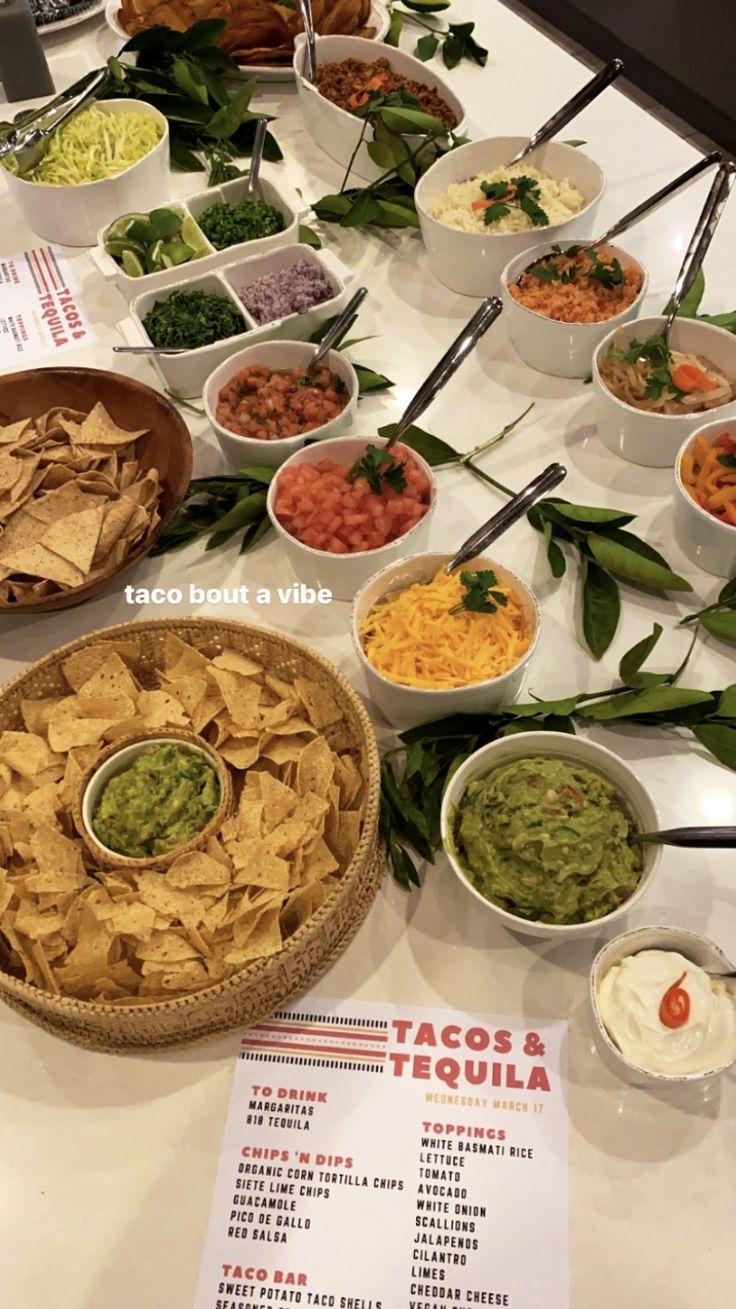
x=561 y=299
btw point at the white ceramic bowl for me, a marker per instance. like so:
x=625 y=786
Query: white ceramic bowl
x=405 y=706
x=123 y=758
x=696 y=948
x=473 y=262
x=705 y=540
x=187 y=373
x=338 y=132
x=562 y=349
x=654 y=439
x=580 y=751
x=242 y=451
x=344 y=574
x=73 y=215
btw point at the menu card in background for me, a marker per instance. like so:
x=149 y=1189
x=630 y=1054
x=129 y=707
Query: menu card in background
x=388 y=1157
x=41 y=312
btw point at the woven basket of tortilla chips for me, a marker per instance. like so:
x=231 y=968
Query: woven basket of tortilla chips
x=264 y=985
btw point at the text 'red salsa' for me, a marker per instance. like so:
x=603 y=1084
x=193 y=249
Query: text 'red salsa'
x=351 y=82
x=272 y=404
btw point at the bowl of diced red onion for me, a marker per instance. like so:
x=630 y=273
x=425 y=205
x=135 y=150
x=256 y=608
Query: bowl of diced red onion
x=265 y=402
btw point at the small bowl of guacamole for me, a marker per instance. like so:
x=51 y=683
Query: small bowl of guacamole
x=541 y=828
x=149 y=799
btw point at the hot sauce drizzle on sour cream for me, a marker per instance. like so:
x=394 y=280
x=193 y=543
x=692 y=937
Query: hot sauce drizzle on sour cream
x=674 y=1010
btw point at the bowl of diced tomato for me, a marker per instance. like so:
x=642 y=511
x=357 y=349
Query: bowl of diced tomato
x=705 y=497
x=346 y=507
x=263 y=403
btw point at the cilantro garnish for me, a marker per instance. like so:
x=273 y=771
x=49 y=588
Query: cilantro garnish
x=379 y=467
x=518 y=193
x=479 y=597
x=657 y=354
x=609 y=275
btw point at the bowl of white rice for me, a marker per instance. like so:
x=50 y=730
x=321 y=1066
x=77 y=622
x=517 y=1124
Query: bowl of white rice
x=475 y=217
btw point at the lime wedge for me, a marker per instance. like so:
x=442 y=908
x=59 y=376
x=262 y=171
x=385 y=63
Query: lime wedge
x=117 y=248
x=132 y=265
x=154 y=258
x=117 y=230
x=192 y=235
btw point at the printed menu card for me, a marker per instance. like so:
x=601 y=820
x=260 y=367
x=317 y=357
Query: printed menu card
x=41 y=312
x=388 y=1157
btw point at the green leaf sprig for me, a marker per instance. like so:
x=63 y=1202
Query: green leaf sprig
x=415 y=774
x=388 y=201
x=183 y=75
x=718 y=619
x=379 y=468
x=217 y=508
x=692 y=302
x=607 y=553
x=455 y=42
x=480 y=598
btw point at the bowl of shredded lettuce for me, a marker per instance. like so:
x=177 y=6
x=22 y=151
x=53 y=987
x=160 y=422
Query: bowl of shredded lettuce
x=111 y=157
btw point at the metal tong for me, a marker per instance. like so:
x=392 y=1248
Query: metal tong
x=571 y=107
x=461 y=347
x=29 y=141
x=700 y=241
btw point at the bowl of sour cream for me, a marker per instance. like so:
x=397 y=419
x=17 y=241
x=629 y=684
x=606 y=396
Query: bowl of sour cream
x=660 y=1018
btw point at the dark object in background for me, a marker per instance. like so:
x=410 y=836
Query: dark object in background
x=686 y=68
x=24 y=72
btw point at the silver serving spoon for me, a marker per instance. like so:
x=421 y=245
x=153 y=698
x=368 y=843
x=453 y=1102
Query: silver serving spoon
x=29 y=144
x=510 y=513
x=700 y=241
x=572 y=107
x=252 y=189
x=642 y=210
x=311 y=44
x=338 y=327
x=149 y=350
x=691 y=838
x=461 y=347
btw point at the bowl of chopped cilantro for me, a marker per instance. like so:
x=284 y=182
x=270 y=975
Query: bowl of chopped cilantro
x=145 y=802
x=563 y=297
x=201 y=317
x=476 y=212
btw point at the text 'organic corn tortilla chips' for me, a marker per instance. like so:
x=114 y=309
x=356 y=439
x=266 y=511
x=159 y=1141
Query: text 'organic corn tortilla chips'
x=69 y=926
x=74 y=501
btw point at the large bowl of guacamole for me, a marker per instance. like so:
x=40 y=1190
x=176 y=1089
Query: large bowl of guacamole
x=546 y=838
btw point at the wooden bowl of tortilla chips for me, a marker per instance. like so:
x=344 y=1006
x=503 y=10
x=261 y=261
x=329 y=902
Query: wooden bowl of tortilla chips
x=92 y=467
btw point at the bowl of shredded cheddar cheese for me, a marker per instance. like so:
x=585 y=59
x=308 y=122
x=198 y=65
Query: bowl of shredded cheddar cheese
x=433 y=643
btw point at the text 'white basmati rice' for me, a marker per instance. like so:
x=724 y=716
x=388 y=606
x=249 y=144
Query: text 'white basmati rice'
x=559 y=200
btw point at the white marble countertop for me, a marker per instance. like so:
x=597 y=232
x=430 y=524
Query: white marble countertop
x=107 y=1163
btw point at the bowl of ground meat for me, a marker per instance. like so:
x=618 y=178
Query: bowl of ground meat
x=349 y=71
x=562 y=299
x=264 y=402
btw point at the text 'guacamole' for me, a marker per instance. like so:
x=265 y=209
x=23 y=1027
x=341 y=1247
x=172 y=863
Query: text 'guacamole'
x=167 y=795
x=548 y=840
